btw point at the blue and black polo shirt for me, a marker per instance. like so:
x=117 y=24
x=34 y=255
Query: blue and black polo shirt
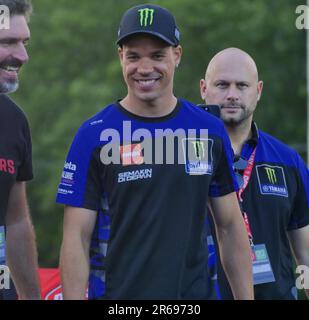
x=276 y=201
x=148 y=239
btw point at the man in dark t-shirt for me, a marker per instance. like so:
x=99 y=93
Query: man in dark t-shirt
x=136 y=182
x=18 y=257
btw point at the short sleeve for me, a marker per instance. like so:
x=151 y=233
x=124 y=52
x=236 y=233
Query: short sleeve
x=300 y=215
x=25 y=171
x=79 y=185
x=223 y=181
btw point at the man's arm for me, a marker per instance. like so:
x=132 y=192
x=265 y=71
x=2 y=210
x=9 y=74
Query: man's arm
x=299 y=240
x=74 y=258
x=235 y=251
x=21 y=249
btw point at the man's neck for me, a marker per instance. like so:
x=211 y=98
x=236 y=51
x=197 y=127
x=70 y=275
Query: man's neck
x=150 y=109
x=239 y=135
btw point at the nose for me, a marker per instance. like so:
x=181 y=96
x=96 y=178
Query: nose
x=145 y=66
x=233 y=93
x=20 y=53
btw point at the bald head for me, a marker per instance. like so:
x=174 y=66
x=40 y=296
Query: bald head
x=231 y=81
x=231 y=59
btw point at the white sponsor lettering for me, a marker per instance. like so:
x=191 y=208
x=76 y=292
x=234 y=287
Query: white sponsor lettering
x=134 y=175
x=93 y=123
x=65 y=191
x=70 y=166
x=68 y=175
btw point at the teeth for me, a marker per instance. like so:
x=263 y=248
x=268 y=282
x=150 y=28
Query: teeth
x=9 y=68
x=146 y=81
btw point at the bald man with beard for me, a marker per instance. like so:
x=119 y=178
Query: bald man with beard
x=273 y=179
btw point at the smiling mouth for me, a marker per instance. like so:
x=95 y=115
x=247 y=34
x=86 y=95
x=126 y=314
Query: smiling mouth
x=146 y=81
x=9 y=69
x=11 y=66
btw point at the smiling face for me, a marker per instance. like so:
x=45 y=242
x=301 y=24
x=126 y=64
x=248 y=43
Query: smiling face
x=13 y=53
x=148 y=66
x=232 y=83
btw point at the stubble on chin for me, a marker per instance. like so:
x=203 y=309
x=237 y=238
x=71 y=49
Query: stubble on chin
x=234 y=122
x=8 y=87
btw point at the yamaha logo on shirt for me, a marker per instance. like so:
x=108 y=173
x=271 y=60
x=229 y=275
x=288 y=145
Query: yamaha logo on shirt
x=272 y=180
x=198 y=156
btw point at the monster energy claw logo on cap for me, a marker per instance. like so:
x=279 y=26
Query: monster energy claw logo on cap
x=146 y=16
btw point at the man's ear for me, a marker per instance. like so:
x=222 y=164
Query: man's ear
x=259 y=90
x=203 y=89
x=178 y=54
x=120 y=54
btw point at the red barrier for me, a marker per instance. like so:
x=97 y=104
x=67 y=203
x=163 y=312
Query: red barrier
x=50 y=284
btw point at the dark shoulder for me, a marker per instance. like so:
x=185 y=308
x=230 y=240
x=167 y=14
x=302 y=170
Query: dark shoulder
x=211 y=122
x=10 y=110
x=278 y=149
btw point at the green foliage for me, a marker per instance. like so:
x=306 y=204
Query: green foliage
x=74 y=72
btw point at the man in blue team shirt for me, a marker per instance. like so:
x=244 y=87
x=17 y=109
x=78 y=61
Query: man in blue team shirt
x=273 y=179
x=133 y=227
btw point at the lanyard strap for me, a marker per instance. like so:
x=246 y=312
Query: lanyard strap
x=249 y=232
x=246 y=176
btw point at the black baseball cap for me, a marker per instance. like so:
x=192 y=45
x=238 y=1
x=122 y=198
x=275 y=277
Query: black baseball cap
x=151 y=19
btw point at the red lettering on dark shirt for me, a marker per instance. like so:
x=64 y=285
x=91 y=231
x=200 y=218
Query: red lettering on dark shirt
x=3 y=165
x=11 y=167
x=7 y=166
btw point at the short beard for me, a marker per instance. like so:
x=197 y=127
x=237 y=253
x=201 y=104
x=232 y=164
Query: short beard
x=8 y=87
x=235 y=122
x=231 y=122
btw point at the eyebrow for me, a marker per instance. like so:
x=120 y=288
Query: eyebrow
x=163 y=50
x=155 y=51
x=14 y=39
x=221 y=81
x=229 y=81
x=129 y=51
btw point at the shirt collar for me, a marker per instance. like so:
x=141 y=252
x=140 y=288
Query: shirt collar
x=255 y=135
x=251 y=143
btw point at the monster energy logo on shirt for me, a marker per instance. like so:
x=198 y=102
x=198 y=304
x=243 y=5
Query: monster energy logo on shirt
x=272 y=180
x=198 y=155
x=146 y=17
x=271 y=175
x=199 y=149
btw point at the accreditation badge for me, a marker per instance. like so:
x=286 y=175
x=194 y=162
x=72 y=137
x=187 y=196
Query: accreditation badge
x=262 y=270
x=2 y=245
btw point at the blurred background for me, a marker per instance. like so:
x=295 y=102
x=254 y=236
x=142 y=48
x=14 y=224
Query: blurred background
x=74 y=72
